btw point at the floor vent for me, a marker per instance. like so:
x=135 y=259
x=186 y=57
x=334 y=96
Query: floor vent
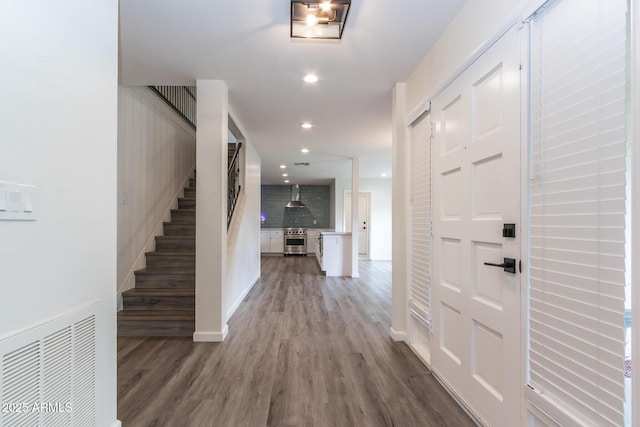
x=48 y=375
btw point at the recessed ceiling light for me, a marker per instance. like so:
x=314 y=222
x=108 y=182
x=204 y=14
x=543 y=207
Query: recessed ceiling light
x=384 y=175
x=286 y=181
x=310 y=78
x=285 y=174
x=304 y=150
x=306 y=125
x=283 y=166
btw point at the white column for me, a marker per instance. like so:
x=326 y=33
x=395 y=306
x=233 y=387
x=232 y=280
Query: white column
x=635 y=203
x=355 y=222
x=211 y=210
x=399 y=242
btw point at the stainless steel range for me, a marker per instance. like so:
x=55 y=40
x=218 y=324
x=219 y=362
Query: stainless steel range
x=295 y=241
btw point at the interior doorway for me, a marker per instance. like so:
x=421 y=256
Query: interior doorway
x=364 y=223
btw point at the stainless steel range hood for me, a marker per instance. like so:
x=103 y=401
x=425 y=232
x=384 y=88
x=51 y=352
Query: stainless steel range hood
x=295 y=198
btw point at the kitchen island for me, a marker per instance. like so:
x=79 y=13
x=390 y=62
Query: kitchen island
x=334 y=253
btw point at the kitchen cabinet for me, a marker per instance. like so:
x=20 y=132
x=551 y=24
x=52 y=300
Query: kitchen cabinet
x=265 y=241
x=271 y=241
x=312 y=245
x=336 y=253
x=276 y=241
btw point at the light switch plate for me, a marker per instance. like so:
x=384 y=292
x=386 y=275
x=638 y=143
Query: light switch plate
x=4 y=206
x=18 y=202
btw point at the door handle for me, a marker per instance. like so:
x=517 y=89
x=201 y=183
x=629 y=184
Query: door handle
x=509 y=265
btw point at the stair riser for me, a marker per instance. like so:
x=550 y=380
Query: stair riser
x=189 y=192
x=166 y=281
x=165 y=262
x=184 y=244
x=156 y=328
x=186 y=203
x=159 y=303
x=192 y=182
x=179 y=229
x=183 y=217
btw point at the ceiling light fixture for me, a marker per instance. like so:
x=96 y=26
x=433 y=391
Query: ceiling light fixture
x=283 y=166
x=311 y=20
x=384 y=175
x=285 y=174
x=306 y=125
x=304 y=150
x=286 y=181
x=318 y=19
x=310 y=78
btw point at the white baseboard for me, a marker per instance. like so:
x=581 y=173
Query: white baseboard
x=241 y=297
x=398 y=335
x=475 y=417
x=211 y=336
x=116 y=423
x=424 y=357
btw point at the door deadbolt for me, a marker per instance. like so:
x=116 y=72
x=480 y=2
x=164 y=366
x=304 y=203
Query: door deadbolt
x=509 y=265
x=509 y=230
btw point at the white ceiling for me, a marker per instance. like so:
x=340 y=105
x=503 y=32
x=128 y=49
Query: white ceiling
x=246 y=43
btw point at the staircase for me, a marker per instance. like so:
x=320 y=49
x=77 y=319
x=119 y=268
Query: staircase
x=162 y=303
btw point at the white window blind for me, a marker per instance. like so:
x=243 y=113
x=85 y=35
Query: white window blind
x=420 y=220
x=577 y=210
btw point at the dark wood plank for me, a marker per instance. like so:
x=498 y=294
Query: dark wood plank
x=302 y=350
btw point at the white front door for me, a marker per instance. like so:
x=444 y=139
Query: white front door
x=476 y=190
x=363 y=221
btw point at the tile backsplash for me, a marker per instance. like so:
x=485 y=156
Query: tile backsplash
x=315 y=215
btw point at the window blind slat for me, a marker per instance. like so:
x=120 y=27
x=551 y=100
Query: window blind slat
x=420 y=220
x=577 y=208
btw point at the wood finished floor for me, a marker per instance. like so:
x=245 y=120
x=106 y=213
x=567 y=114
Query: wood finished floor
x=302 y=350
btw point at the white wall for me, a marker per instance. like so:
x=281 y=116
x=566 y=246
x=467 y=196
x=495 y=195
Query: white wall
x=244 y=269
x=59 y=132
x=477 y=22
x=156 y=154
x=211 y=210
x=380 y=215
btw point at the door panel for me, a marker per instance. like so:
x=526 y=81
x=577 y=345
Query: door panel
x=476 y=176
x=363 y=221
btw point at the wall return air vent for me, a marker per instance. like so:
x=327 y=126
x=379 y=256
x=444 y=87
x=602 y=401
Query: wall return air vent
x=48 y=373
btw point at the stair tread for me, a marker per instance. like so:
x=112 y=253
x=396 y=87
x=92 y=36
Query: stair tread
x=171 y=252
x=176 y=237
x=157 y=315
x=184 y=271
x=187 y=210
x=178 y=292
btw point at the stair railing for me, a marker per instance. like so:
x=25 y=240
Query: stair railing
x=182 y=99
x=233 y=182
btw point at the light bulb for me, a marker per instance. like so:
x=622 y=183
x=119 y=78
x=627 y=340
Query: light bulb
x=311 y=20
x=306 y=125
x=310 y=78
x=326 y=6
